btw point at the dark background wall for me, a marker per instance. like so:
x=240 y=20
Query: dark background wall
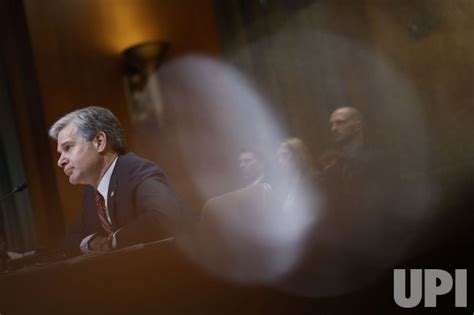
x=313 y=56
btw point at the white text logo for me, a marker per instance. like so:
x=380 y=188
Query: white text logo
x=437 y=282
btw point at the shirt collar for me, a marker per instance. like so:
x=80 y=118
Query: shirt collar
x=103 y=187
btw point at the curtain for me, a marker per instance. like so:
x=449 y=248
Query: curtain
x=16 y=220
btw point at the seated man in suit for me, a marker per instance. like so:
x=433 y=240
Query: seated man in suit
x=127 y=199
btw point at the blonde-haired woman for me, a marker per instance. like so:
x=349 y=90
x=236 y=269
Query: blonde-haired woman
x=296 y=174
x=294 y=156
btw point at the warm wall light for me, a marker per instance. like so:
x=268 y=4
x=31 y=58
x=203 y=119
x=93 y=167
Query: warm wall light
x=123 y=23
x=141 y=81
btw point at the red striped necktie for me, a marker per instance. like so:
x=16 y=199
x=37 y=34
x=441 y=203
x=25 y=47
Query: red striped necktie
x=100 y=207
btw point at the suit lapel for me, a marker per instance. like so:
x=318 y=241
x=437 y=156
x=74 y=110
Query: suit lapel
x=112 y=194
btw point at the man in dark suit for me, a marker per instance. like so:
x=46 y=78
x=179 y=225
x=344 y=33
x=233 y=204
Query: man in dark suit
x=127 y=199
x=357 y=234
x=251 y=166
x=359 y=179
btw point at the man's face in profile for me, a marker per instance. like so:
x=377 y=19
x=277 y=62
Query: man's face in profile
x=250 y=166
x=79 y=158
x=344 y=125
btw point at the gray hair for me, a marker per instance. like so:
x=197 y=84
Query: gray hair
x=91 y=120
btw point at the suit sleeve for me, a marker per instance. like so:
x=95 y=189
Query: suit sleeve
x=157 y=206
x=81 y=228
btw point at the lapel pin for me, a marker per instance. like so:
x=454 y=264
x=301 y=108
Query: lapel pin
x=112 y=193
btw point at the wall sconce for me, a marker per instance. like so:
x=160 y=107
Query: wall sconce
x=141 y=82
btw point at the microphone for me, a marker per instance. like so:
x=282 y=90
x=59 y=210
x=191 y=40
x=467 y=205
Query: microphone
x=4 y=250
x=18 y=188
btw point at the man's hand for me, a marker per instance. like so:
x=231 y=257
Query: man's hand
x=100 y=243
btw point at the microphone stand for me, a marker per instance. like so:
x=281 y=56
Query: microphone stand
x=4 y=247
x=15 y=190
